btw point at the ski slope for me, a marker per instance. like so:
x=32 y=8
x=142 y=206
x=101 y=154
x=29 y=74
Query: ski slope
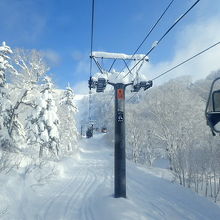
x=84 y=191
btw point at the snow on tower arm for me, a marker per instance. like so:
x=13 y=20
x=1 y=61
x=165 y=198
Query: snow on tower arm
x=107 y=55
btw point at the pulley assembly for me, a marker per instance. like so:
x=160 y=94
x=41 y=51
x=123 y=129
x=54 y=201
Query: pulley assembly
x=143 y=84
x=99 y=84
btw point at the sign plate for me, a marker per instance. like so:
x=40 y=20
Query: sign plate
x=120 y=116
x=120 y=94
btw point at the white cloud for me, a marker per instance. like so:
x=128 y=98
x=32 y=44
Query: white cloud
x=82 y=67
x=77 y=55
x=194 y=38
x=82 y=63
x=52 y=57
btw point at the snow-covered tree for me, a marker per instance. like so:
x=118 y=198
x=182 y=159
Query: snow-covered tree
x=7 y=124
x=102 y=112
x=30 y=70
x=142 y=146
x=42 y=123
x=177 y=116
x=4 y=62
x=68 y=130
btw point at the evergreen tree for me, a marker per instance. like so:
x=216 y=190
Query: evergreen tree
x=6 y=141
x=68 y=130
x=43 y=122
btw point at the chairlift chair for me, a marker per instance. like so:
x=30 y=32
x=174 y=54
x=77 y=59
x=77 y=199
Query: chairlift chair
x=104 y=130
x=89 y=132
x=212 y=111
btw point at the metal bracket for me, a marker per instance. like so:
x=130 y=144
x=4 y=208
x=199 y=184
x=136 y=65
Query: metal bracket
x=92 y=83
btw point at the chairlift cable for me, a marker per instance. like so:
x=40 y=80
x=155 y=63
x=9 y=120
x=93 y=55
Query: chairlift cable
x=91 y=48
x=92 y=36
x=150 y=31
x=148 y=34
x=177 y=21
x=165 y=34
x=180 y=64
x=185 y=61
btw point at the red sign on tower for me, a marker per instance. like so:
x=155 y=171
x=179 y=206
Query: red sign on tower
x=120 y=94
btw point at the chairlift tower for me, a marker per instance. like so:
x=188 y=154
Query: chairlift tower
x=119 y=88
x=120 y=154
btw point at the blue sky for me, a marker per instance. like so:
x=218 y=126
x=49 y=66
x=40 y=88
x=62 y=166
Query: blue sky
x=61 y=29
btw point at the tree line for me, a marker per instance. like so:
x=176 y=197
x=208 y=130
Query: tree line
x=35 y=117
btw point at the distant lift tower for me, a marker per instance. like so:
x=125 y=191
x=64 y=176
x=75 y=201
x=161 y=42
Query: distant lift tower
x=100 y=85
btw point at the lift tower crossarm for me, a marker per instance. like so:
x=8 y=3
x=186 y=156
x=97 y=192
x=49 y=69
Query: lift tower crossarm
x=121 y=56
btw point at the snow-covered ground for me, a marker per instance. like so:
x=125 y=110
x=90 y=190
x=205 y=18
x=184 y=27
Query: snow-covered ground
x=83 y=190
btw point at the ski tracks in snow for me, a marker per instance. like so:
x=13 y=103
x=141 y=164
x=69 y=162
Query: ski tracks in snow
x=85 y=192
x=98 y=177
x=75 y=200
x=57 y=196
